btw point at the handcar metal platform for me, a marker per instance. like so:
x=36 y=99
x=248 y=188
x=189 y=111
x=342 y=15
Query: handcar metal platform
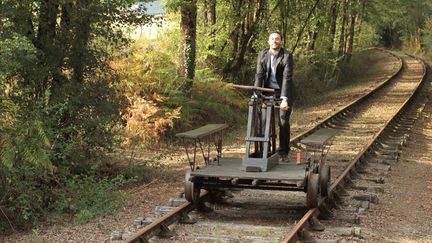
x=228 y=174
x=231 y=168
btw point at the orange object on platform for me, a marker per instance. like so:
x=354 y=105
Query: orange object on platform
x=298 y=160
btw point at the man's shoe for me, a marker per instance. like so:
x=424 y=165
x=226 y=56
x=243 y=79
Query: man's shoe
x=283 y=158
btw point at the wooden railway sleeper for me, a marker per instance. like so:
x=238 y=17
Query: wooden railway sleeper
x=366 y=197
x=165 y=231
x=340 y=192
x=336 y=202
x=348 y=181
x=202 y=207
x=186 y=219
x=389 y=151
x=143 y=240
x=353 y=219
x=368 y=189
x=305 y=236
x=315 y=224
x=354 y=174
x=395 y=146
x=386 y=154
x=363 y=162
x=384 y=147
x=348 y=113
x=325 y=209
x=404 y=125
x=393 y=142
x=396 y=131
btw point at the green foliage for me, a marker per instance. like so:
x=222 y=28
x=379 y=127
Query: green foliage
x=26 y=141
x=367 y=37
x=30 y=194
x=399 y=23
x=17 y=52
x=427 y=35
x=24 y=194
x=88 y=197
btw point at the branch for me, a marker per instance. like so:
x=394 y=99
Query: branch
x=300 y=33
x=10 y=224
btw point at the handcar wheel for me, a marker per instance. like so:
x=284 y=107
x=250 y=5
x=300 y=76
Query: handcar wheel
x=312 y=191
x=192 y=192
x=324 y=180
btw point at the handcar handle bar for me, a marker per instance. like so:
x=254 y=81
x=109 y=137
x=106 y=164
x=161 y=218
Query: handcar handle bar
x=253 y=88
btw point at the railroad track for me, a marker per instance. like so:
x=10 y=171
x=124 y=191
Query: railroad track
x=371 y=131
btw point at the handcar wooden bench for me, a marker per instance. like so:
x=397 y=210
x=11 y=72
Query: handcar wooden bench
x=316 y=145
x=200 y=137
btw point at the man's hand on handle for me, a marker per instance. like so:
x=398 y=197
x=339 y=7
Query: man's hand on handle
x=284 y=105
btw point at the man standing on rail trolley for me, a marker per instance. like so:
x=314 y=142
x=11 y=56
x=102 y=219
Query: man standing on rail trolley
x=275 y=71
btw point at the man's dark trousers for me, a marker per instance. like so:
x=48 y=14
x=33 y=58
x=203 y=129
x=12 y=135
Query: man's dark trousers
x=284 y=126
x=284 y=131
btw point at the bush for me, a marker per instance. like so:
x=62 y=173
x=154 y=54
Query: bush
x=50 y=134
x=87 y=197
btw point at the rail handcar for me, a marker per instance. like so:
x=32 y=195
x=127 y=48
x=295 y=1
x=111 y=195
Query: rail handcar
x=260 y=167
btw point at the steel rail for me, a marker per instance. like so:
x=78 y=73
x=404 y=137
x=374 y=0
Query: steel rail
x=292 y=235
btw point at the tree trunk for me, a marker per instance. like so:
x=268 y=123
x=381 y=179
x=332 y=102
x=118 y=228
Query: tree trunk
x=188 y=12
x=47 y=24
x=210 y=18
x=46 y=34
x=351 y=35
x=341 y=51
x=210 y=29
x=283 y=7
x=333 y=22
x=235 y=32
x=314 y=36
x=79 y=49
x=209 y=13
x=361 y=15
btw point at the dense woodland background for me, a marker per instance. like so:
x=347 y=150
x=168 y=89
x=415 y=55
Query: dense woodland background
x=73 y=88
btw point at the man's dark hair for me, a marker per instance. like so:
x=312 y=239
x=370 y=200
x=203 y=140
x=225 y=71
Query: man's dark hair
x=276 y=32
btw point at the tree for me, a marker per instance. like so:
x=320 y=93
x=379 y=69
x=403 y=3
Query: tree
x=351 y=32
x=210 y=21
x=188 y=23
